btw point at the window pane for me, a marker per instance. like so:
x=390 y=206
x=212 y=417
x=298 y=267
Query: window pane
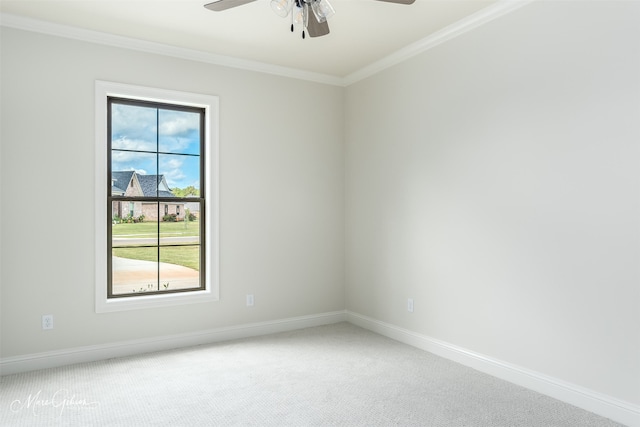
x=179 y=132
x=126 y=170
x=180 y=263
x=134 y=269
x=180 y=172
x=179 y=267
x=133 y=127
x=139 y=230
x=179 y=229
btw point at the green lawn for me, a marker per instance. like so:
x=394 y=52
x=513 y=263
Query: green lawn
x=150 y=229
x=187 y=255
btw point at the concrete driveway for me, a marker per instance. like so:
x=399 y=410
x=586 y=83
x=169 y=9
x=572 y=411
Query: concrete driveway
x=133 y=274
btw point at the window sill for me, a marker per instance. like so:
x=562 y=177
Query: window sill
x=104 y=305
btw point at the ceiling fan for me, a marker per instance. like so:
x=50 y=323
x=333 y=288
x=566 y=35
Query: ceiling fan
x=311 y=14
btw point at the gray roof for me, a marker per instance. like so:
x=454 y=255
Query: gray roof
x=120 y=181
x=148 y=183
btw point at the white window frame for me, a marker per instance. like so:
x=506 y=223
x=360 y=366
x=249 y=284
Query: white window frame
x=210 y=103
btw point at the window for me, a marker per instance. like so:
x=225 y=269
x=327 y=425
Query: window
x=151 y=145
x=158 y=149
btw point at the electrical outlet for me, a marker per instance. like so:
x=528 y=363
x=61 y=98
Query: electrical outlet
x=47 y=321
x=410 y=305
x=250 y=300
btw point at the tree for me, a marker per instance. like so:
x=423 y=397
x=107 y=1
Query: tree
x=186 y=192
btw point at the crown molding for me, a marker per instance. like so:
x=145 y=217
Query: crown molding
x=481 y=17
x=49 y=28
x=456 y=29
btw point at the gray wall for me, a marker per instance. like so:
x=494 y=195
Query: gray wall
x=281 y=194
x=494 y=179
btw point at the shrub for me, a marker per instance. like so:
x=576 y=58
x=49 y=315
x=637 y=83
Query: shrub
x=170 y=218
x=188 y=216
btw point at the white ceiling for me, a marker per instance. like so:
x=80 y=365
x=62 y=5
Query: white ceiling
x=362 y=31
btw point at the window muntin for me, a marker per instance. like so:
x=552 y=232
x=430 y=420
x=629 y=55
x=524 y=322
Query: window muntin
x=153 y=149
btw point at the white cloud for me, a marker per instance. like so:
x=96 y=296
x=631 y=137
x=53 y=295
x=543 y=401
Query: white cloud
x=172 y=171
x=173 y=163
x=125 y=143
x=179 y=125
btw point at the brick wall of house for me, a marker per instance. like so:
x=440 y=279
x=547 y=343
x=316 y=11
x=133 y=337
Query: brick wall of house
x=150 y=210
x=123 y=209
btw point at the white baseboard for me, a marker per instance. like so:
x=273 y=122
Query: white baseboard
x=52 y=359
x=598 y=403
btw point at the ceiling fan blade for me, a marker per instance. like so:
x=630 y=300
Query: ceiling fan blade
x=220 y=5
x=315 y=28
x=400 y=1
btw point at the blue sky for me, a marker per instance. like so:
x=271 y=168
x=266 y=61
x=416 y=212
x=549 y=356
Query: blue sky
x=149 y=129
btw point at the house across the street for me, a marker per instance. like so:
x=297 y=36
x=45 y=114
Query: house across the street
x=133 y=184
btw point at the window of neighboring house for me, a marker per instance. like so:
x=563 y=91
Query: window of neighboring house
x=178 y=210
x=157 y=142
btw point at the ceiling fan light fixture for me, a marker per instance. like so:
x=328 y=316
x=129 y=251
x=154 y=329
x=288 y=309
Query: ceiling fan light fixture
x=313 y=22
x=281 y=7
x=323 y=10
x=300 y=14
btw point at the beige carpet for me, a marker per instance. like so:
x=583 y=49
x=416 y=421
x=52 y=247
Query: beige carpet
x=336 y=375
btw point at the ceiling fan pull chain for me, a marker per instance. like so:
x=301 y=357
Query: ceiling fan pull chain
x=305 y=17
